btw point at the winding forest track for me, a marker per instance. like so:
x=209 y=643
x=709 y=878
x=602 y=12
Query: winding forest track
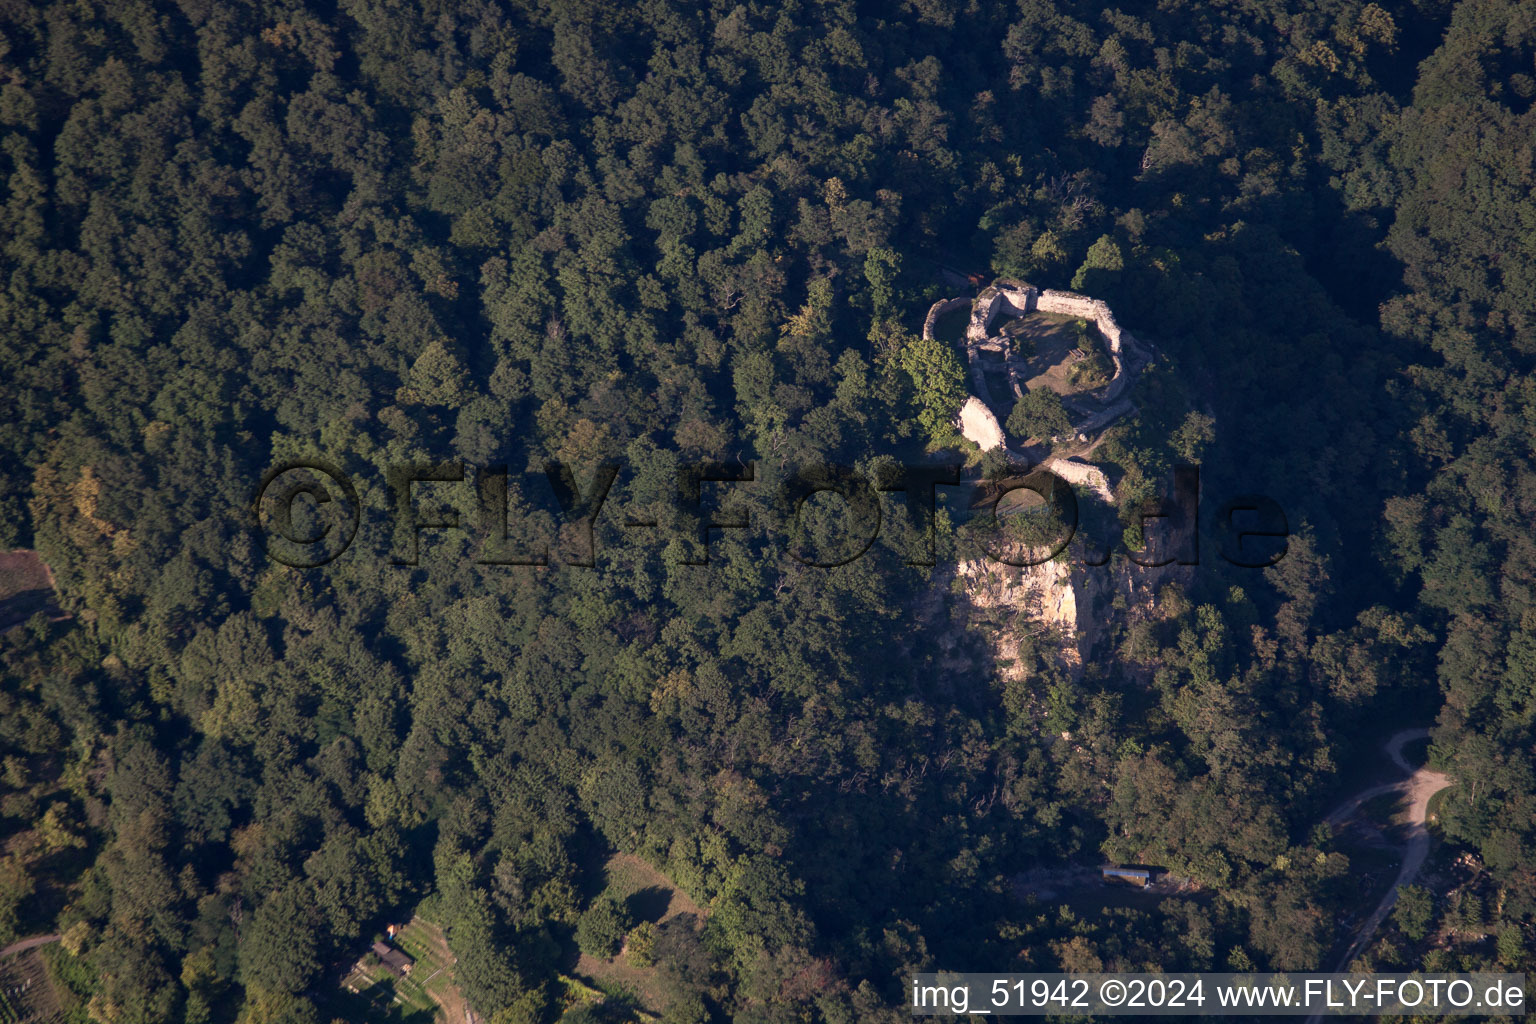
x=26 y=944
x=1419 y=785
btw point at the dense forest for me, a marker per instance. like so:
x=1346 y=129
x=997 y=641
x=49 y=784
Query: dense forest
x=511 y=233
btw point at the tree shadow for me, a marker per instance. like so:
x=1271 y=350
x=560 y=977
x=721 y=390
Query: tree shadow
x=650 y=903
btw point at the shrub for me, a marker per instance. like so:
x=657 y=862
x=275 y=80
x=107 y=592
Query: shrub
x=601 y=930
x=1038 y=415
x=642 y=944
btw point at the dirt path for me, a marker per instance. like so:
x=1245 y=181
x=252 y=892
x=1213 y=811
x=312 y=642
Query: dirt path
x=26 y=944
x=1417 y=788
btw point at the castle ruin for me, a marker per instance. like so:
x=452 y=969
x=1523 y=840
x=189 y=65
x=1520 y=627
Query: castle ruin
x=999 y=375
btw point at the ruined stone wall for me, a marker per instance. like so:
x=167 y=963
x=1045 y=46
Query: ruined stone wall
x=939 y=309
x=981 y=315
x=1007 y=296
x=1017 y=298
x=1104 y=417
x=1067 y=597
x=1084 y=308
x=1012 y=297
x=1082 y=474
x=1098 y=311
x=979 y=425
x=1117 y=384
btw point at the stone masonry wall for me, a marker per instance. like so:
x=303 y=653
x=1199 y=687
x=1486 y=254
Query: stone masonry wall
x=939 y=309
x=1017 y=298
x=979 y=426
x=1098 y=311
x=1013 y=297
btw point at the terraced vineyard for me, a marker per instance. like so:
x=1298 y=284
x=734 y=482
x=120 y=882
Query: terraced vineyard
x=26 y=994
x=428 y=993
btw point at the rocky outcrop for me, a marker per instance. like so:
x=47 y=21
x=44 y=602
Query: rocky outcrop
x=1062 y=597
x=1044 y=592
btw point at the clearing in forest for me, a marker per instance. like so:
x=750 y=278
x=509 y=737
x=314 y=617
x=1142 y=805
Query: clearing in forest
x=651 y=897
x=26 y=588
x=428 y=993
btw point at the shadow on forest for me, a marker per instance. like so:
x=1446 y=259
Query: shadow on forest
x=650 y=903
x=375 y=1005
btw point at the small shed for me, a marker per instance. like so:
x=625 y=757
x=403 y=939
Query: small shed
x=398 y=962
x=1131 y=876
